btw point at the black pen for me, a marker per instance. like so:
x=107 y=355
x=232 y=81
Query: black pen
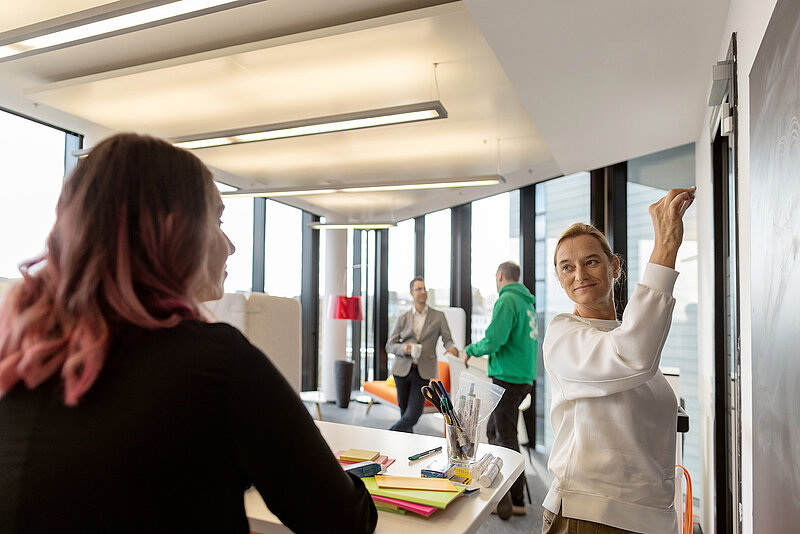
x=424 y=454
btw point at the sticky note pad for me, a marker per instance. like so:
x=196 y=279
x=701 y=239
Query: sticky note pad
x=359 y=455
x=439 y=499
x=430 y=484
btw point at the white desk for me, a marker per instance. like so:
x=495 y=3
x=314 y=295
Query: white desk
x=465 y=514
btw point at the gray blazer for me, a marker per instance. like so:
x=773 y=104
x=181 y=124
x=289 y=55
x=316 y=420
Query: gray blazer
x=435 y=326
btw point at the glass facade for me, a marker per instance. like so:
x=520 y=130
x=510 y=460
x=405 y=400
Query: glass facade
x=438 y=247
x=559 y=203
x=495 y=239
x=237 y=222
x=31 y=175
x=401 y=271
x=283 y=250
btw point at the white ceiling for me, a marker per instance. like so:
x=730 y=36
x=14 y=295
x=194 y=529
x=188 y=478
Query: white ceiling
x=559 y=87
x=607 y=81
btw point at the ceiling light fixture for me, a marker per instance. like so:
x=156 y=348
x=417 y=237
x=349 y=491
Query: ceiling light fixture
x=334 y=123
x=472 y=181
x=62 y=32
x=354 y=226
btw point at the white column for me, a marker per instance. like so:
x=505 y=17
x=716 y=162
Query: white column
x=333 y=331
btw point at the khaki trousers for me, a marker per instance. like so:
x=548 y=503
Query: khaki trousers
x=558 y=524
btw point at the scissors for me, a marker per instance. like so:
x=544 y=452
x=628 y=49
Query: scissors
x=432 y=395
x=446 y=402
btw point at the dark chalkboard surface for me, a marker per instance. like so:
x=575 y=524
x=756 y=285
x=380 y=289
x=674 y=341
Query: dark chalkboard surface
x=775 y=268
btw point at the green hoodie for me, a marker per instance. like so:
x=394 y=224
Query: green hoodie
x=512 y=338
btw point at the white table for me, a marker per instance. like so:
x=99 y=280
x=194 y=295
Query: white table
x=465 y=514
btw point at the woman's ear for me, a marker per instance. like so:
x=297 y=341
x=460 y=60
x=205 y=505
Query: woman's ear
x=617 y=269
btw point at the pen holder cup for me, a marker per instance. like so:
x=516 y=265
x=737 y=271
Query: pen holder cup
x=462 y=444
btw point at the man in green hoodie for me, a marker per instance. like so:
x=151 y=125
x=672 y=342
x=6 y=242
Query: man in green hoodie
x=511 y=341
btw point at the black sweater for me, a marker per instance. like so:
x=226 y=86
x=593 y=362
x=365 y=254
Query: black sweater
x=177 y=425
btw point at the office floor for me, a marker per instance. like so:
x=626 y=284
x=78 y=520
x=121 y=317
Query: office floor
x=383 y=416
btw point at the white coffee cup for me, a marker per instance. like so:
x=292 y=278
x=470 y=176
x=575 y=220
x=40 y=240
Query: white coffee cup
x=416 y=351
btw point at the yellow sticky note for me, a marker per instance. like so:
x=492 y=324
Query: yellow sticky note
x=430 y=484
x=359 y=455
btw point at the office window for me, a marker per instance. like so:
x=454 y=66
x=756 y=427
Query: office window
x=559 y=203
x=368 y=251
x=348 y=287
x=360 y=337
x=401 y=271
x=401 y=268
x=322 y=310
x=31 y=175
x=438 y=249
x=237 y=222
x=649 y=178
x=495 y=239
x=283 y=250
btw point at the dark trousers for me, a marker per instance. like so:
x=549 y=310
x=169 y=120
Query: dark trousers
x=410 y=399
x=502 y=427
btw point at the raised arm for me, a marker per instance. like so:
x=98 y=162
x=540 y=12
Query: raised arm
x=586 y=361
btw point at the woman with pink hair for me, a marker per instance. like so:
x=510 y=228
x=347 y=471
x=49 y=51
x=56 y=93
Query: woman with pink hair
x=122 y=409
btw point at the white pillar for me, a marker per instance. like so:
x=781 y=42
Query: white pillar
x=333 y=331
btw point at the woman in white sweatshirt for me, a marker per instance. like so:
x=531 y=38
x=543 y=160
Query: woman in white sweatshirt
x=613 y=412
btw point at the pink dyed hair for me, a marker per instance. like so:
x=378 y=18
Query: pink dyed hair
x=127 y=247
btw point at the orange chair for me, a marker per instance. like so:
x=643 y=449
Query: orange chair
x=379 y=389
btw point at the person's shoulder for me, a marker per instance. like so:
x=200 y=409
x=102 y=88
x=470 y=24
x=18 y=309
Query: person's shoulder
x=200 y=341
x=436 y=313
x=215 y=348
x=564 y=321
x=559 y=325
x=408 y=314
x=509 y=297
x=214 y=333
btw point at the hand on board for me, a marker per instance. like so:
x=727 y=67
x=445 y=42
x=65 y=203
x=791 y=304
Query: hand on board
x=667 y=215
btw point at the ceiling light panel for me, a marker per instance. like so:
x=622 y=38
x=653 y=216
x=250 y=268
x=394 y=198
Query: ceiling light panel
x=351 y=121
x=472 y=181
x=37 y=11
x=94 y=27
x=347 y=226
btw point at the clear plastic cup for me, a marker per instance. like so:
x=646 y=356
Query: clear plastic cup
x=462 y=444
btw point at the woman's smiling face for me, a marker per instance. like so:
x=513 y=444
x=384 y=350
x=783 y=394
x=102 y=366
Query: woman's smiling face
x=586 y=273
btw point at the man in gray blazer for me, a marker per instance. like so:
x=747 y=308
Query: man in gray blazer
x=420 y=325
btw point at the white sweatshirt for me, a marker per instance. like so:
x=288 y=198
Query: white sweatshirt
x=613 y=413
